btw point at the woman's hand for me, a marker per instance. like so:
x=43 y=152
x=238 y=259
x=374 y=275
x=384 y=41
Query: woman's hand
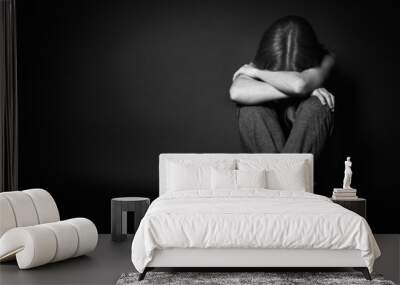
x=248 y=69
x=325 y=97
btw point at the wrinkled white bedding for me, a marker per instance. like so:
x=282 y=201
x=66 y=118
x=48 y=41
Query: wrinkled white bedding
x=251 y=218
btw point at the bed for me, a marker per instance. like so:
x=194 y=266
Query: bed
x=246 y=211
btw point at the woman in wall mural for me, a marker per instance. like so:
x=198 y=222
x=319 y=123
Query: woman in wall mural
x=282 y=106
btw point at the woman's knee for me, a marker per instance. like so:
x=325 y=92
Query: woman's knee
x=313 y=106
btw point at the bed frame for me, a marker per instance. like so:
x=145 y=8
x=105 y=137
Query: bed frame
x=237 y=258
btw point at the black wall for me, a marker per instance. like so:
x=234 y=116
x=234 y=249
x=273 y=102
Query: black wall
x=105 y=86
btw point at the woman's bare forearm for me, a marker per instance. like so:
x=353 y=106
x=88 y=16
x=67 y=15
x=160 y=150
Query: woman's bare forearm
x=298 y=83
x=314 y=78
x=248 y=91
x=289 y=82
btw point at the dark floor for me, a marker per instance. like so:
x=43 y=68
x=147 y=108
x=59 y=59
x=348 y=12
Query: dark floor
x=110 y=260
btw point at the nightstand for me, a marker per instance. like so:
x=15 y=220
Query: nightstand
x=119 y=209
x=358 y=205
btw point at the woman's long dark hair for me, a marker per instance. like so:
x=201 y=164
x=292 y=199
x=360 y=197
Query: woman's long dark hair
x=289 y=44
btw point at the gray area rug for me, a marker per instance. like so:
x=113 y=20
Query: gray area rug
x=232 y=278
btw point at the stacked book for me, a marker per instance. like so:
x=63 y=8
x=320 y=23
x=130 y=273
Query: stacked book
x=344 y=194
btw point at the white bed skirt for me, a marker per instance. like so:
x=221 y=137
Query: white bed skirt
x=193 y=257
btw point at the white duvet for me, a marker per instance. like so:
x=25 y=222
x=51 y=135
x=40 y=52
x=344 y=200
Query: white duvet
x=251 y=218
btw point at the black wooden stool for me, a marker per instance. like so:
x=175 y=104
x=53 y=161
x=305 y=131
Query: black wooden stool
x=119 y=209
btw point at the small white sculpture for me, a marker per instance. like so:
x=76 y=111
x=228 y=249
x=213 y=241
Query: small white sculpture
x=347 y=174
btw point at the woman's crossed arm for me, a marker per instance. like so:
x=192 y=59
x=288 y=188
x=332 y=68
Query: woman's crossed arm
x=246 y=89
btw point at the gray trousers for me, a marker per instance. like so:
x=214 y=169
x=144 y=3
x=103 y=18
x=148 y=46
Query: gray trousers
x=262 y=129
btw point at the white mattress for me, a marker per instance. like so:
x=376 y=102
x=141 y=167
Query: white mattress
x=251 y=218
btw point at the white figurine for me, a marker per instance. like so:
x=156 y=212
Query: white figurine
x=347 y=174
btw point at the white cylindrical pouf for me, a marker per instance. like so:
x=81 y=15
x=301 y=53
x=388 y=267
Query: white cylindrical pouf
x=87 y=234
x=67 y=240
x=34 y=246
x=23 y=208
x=7 y=219
x=45 y=205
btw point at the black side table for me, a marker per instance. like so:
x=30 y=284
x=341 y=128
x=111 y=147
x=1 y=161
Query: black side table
x=358 y=205
x=119 y=209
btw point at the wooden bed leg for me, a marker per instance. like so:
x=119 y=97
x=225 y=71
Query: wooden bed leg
x=364 y=271
x=142 y=275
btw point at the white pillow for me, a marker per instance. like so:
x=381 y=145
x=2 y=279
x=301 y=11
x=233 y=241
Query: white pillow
x=237 y=179
x=282 y=174
x=251 y=178
x=223 y=179
x=193 y=174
